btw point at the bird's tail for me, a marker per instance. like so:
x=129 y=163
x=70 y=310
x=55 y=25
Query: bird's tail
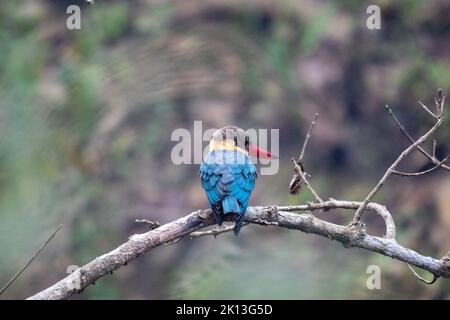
x=238 y=222
x=230 y=205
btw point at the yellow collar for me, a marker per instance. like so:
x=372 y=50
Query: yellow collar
x=225 y=145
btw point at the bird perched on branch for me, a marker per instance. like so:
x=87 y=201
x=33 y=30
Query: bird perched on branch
x=228 y=174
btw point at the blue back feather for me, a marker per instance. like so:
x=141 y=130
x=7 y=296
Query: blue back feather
x=228 y=178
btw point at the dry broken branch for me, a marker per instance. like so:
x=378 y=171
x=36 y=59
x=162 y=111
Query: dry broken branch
x=435 y=277
x=300 y=176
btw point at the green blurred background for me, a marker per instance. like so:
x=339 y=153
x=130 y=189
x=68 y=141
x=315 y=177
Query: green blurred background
x=86 y=117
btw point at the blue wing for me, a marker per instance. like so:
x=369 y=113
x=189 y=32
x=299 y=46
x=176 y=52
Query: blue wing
x=228 y=178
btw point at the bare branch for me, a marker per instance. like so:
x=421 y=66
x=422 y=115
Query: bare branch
x=428 y=110
x=332 y=204
x=214 y=232
x=140 y=243
x=421 y=173
x=390 y=170
x=435 y=277
x=301 y=177
x=411 y=139
x=434 y=148
x=30 y=260
x=308 y=136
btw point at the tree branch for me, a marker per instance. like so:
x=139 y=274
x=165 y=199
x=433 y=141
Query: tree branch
x=428 y=110
x=214 y=232
x=141 y=243
x=27 y=264
x=435 y=277
x=308 y=136
x=420 y=173
x=392 y=169
x=332 y=204
x=403 y=130
x=300 y=176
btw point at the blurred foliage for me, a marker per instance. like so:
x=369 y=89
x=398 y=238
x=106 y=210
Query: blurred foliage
x=86 y=118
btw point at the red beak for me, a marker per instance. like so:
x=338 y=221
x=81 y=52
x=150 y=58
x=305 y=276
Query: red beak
x=258 y=152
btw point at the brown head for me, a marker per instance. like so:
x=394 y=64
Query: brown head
x=234 y=138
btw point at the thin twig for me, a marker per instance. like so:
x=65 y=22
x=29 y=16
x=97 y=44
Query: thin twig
x=300 y=176
x=214 y=232
x=428 y=110
x=411 y=139
x=435 y=277
x=391 y=169
x=421 y=173
x=332 y=204
x=434 y=148
x=308 y=136
x=30 y=260
x=298 y=171
x=440 y=101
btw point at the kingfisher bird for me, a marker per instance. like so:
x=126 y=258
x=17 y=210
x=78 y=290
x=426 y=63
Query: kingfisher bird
x=228 y=174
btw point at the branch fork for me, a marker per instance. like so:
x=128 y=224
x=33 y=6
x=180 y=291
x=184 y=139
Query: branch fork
x=356 y=228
